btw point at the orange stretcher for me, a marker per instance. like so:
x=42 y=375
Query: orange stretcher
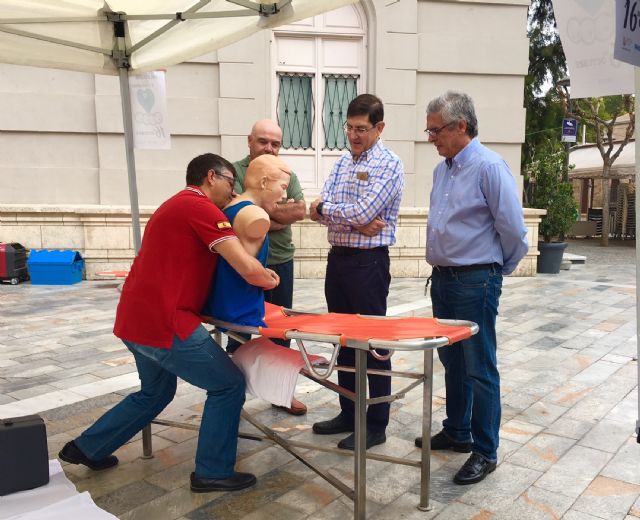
x=365 y=334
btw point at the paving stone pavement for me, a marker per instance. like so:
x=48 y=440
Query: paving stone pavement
x=567 y=348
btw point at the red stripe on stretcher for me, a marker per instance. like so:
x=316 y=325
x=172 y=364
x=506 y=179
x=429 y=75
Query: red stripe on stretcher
x=361 y=328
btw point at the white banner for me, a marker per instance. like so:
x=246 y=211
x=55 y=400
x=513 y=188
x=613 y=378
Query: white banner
x=149 y=111
x=587 y=30
x=627 y=47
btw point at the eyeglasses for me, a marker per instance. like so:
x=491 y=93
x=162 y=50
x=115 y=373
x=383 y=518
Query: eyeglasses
x=433 y=132
x=358 y=130
x=230 y=180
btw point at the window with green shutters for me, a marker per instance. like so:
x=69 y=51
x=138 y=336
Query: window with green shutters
x=339 y=90
x=296 y=110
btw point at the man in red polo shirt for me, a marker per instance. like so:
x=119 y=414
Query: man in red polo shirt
x=158 y=319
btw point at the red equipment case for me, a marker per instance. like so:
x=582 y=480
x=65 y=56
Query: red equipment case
x=13 y=263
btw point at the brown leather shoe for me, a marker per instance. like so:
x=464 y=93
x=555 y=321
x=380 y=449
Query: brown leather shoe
x=296 y=408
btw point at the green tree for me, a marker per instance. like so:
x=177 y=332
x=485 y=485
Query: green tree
x=547 y=65
x=600 y=116
x=549 y=191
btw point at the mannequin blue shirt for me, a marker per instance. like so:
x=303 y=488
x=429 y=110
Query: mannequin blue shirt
x=231 y=298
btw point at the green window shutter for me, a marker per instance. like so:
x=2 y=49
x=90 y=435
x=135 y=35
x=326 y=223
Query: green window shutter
x=339 y=90
x=295 y=109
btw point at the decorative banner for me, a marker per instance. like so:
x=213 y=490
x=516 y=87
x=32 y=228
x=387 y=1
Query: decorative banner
x=627 y=47
x=149 y=111
x=587 y=29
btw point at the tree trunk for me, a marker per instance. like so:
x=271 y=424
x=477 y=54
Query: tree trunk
x=606 y=183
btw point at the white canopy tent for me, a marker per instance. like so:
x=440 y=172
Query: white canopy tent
x=120 y=37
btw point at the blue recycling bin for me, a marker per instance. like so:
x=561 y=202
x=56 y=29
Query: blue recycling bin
x=55 y=267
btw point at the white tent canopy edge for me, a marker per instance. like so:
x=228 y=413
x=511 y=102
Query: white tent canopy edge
x=123 y=36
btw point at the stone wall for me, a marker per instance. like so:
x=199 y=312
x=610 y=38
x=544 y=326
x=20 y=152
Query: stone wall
x=102 y=234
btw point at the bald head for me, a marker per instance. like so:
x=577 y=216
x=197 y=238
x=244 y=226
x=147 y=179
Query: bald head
x=265 y=166
x=265 y=138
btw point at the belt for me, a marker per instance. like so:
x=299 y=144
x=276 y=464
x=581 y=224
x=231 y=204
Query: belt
x=465 y=268
x=350 y=251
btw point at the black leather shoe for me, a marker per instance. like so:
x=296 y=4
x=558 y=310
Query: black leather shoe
x=474 y=470
x=336 y=425
x=440 y=441
x=233 y=483
x=72 y=454
x=373 y=439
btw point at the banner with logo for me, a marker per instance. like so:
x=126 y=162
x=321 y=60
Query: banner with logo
x=149 y=111
x=587 y=31
x=627 y=46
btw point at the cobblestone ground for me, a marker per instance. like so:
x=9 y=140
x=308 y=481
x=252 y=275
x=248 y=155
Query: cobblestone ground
x=567 y=347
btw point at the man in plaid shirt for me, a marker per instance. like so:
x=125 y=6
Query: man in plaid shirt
x=359 y=204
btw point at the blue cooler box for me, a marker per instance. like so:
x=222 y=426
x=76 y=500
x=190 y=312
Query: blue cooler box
x=50 y=267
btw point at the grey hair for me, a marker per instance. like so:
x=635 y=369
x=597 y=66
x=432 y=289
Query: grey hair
x=455 y=106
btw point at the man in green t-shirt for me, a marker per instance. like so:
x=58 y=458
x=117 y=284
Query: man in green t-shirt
x=266 y=138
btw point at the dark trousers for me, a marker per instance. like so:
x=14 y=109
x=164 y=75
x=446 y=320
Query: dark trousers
x=357 y=282
x=281 y=295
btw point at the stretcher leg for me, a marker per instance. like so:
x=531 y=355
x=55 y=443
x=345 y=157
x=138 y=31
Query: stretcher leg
x=360 y=458
x=425 y=468
x=147 y=447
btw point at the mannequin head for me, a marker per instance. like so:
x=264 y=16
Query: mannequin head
x=267 y=179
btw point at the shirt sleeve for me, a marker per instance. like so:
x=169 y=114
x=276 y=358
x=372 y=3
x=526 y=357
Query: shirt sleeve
x=385 y=186
x=210 y=224
x=294 y=190
x=327 y=190
x=499 y=188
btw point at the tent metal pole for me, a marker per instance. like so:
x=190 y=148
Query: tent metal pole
x=131 y=160
x=121 y=59
x=637 y=145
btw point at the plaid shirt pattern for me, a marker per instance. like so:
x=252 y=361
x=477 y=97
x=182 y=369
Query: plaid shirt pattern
x=357 y=192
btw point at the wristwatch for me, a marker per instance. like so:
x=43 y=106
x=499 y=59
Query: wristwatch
x=319 y=208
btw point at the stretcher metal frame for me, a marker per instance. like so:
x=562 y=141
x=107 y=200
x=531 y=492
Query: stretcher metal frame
x=359 y=397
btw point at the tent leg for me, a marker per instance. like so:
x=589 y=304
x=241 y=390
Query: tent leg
x=637 y=145
x=131 y=160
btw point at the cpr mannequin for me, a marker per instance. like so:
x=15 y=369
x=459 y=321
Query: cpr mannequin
x=231 y=298
x=270 y=370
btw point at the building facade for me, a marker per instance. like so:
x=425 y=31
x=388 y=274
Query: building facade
x=63 y=179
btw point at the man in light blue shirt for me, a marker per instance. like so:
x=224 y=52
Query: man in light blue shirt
x=475 y=234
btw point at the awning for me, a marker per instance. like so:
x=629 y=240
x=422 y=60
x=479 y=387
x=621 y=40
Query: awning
x=79 y=34
x=588 y=163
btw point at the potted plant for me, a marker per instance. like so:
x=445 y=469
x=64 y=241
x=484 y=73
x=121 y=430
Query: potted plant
x=548 y=190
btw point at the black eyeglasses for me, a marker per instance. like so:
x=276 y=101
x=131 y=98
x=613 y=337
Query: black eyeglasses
x=433 y=132
x=230 y=180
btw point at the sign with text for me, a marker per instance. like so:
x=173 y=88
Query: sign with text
x=587 y=31
x=569 y=130
x=149 y=111
x=627 y=46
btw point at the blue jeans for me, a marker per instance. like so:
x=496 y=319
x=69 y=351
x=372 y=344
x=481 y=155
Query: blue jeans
x=471 y=372
x=202 y=363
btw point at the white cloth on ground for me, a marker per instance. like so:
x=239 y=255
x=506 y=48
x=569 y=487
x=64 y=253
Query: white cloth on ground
x=58 y=500
x=271 y=371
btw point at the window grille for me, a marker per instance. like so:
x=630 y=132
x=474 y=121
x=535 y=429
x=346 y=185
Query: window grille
x=295 y=109
x=339 y=90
